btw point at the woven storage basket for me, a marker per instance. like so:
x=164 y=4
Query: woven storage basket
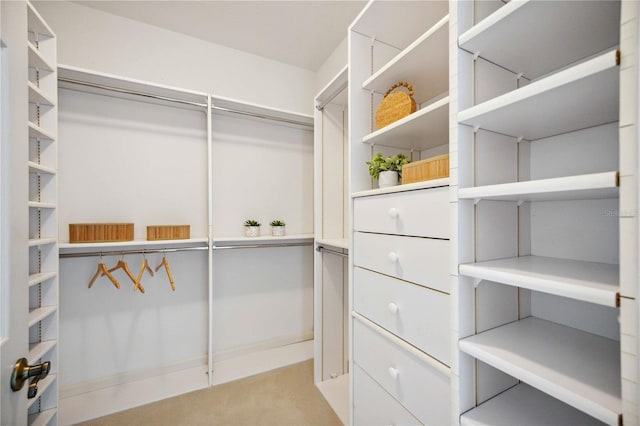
x=395 y=105
x=168 y=232
x=431 y=168
x=100 y=232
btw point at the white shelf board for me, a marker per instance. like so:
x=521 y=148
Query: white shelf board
x=35 y=23
x=41 y=418
x=426 y=128
x=42 y=241
x=39 y=133
x=532 y=37
x=40 y=278
x=411 y=19
x=67 y=247
x=112 y=85
x=341 y=243
x=424 y=64
x=39 y=314
x=524 y=405
x=333 y=88
x=260 y=110
x=263 y=240
x=43 y=386
x=41 y=169
x=37 y=61
x=336 y=393
x=582 y=96
x=582 y=187
x=578 y=368
x=434 y=183
x=40 y=205
x=39 y=350
x=587 y=281
x=36 y=96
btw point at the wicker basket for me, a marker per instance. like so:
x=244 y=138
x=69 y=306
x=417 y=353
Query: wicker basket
x=100 y=232
x=168 y=232
x=395 y=105
x=431 y=168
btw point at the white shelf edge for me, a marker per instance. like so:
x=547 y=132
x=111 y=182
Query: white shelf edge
x=39 y=168
x=525 y=405
x=42 y=418
x=36 y=23
x=37 y=96
x=40 y=278
x=335 y=86
x=587 y=281
x=266 y=239
x=35 y=242
x=40 y=205
x=39 y=350
x=370 y=138
x=67 y=247
x=38 y=132
x=342 y=243
x=543 y=354
x=36 y=60
x=43 y=386
x=38 y=314
x=433 y=183
x=254 y=108
x=489 y=22
x=368 y=83
x=595 y=185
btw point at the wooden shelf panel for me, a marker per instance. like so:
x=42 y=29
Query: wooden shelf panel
x=412 y=19
x=524 y=405
x=425 y=128
x=587 y=281
x=39 y=133
x=42 y=418
x=545 y=355
x=39 y=350
x=36 y=315
x=424 y=64
x=582 y=96
x=37 y=96
x=37 y=61
x=36 y=168
x=40 y=278
x=539 y=39
x=582 y=187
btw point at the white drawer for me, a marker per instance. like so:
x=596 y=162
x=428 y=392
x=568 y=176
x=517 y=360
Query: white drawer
x=416 y=314
x=424 y=261
x=372 y=405
x=422 y=386
x=422 y=213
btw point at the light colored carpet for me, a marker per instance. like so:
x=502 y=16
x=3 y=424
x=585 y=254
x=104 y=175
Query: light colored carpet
x=286 y=396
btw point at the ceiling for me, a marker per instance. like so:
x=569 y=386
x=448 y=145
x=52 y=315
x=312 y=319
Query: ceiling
x=299 y=33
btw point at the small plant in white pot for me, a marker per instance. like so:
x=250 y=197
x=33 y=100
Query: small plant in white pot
x=387 y=170
x=277 y=228
x=251 y=228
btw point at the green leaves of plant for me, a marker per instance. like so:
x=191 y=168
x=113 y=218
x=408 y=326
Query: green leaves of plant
x=381 y=164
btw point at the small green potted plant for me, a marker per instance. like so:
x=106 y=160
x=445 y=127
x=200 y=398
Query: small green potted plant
x=251 y=228
x=387 y=170
x=277 y=228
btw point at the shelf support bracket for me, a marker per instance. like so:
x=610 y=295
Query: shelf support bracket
x=476 y=282
x=476 y=128
x=476 y=55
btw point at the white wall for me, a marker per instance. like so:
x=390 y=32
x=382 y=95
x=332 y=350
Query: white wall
x=96 y=40
x=332 y=65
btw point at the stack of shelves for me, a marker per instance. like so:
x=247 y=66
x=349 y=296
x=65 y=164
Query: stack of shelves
x=43 y=222
x=538 y=160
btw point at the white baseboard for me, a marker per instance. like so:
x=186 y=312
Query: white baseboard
x=89 y=400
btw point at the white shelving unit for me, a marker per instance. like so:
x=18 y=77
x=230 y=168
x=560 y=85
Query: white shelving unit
x=43 y=250
x=538 y=330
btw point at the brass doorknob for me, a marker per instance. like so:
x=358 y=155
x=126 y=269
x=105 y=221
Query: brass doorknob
x=22 y=371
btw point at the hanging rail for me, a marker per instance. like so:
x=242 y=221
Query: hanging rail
x=126 y=252
x=264 y=116
x=214 y=247
x=320 y=106
x=323 y=249
x=132 y=92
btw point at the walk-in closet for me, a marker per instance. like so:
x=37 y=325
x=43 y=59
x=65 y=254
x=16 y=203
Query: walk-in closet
x=193 y=197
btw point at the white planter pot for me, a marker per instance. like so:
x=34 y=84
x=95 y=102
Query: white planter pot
x=251 y=231
x=277 y=231
x=386 y=179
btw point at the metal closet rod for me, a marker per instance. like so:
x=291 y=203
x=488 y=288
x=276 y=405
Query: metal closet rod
x=181 y=101
x=327 y=101
x=323 y=249
x=125 y=252
x=261 y=246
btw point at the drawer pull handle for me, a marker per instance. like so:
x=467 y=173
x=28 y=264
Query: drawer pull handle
x=393 y=213
x=393 y=308
x=393 y=372
x=393 y=257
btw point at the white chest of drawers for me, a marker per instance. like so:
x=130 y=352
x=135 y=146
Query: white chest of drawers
x=400 y=339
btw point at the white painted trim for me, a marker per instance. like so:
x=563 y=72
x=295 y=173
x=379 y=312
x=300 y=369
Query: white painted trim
x=262 y=346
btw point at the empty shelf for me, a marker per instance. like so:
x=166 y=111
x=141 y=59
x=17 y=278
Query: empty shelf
x=36 y=96
x=424 y=64
x=583 y=187
x=587 y=281
x=534 y=38
x=37 y=61
x=36 y=132
x=40 y=278
x=582 y=96
x=36 y=24
x=39 y=350
x=40 y=169
x=524 y=405
x=42 y=418
x=425 y=128
x=38 y=314
x=42 y=241
x=578 y=368
x=40 y=205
